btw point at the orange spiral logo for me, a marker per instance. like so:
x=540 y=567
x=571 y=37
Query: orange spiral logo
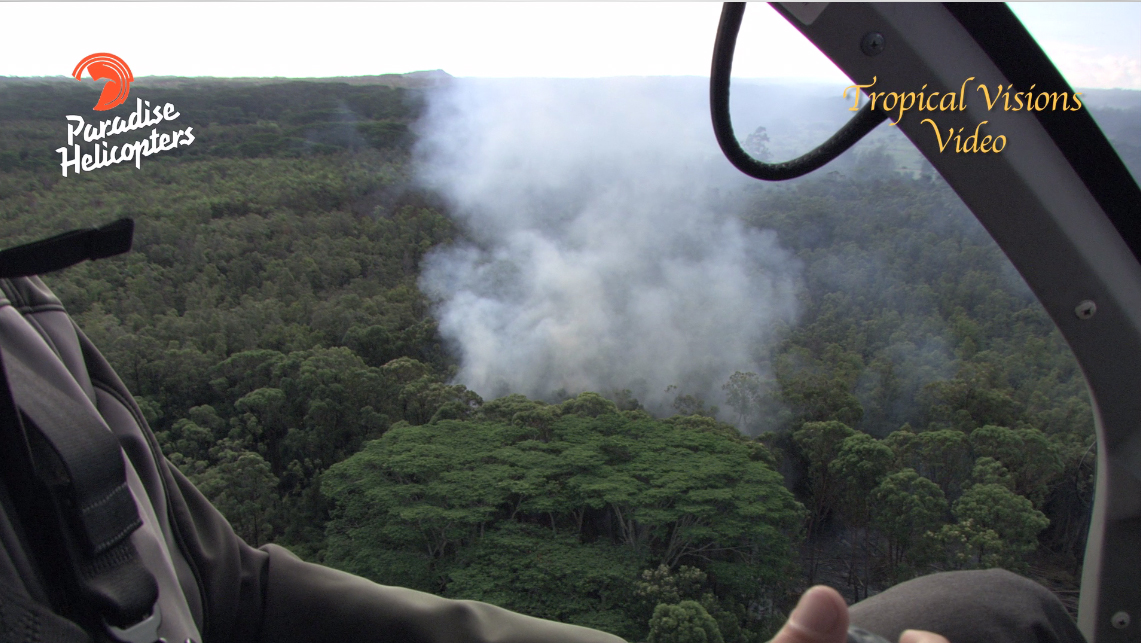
x=118 y=76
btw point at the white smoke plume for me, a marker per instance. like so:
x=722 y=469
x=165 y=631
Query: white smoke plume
x=605 y=251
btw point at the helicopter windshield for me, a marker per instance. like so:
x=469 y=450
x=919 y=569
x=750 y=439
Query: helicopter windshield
x=510 y=328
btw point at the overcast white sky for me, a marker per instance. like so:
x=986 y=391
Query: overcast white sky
x=1094 y=44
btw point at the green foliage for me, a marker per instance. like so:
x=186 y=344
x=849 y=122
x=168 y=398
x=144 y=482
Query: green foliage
x=990 y=471
x=819 y=389
x=911 y=317
x=626 y=489
x=744 y=394
x=943 y=456
x=243 y=488
x=819 y=443
x=859 y=466
x=533 y=570
x=906 y=506
x=966 y=545
x=588 y=405
x=686 y=622
x=187 y=439
x=996 y=528
x=663 y=585
x=1032 y=460
x=1070 y=502
x=911 y=314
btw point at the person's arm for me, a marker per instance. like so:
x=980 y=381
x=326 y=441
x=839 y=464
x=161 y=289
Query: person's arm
x=307 y=602
x=271 y=596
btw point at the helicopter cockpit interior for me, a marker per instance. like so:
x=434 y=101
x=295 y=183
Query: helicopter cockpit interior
x=564 y=341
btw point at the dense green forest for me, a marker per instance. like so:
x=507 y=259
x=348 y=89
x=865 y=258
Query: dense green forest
x=923 y=413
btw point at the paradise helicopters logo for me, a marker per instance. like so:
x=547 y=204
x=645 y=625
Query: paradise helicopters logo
x=113 y=69
x=118 y=76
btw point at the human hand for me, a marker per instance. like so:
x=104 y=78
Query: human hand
x=920 y=636
x=821 y=616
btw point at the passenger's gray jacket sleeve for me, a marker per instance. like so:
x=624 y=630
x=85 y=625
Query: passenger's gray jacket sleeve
x=306 y=602
x=268 y=595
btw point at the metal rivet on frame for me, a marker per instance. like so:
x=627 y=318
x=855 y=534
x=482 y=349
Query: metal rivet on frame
x=873 y=43
x=1086 y=309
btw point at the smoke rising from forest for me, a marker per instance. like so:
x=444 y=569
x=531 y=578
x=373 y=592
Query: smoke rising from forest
x=605 y=252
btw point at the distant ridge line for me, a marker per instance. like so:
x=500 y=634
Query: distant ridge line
x=415 y=79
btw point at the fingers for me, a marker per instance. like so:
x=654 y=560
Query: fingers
x=821 y=616
x=919 y=636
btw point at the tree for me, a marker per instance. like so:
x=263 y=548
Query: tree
x=902 y=444
x=1032 y=460
x=187 y=440
x=686 y=622
x=455 y=495
x=967 y=545
x=422 y=394
x=906 y=506
x=996 y=528
x=861 y=463
x=757 y=144
x=588 y=405
x=743 y=393
x=990 y=471
x=819 y=444
x=266 y=410
x=690 y=404
x=243 y=488
x=661 y=586
x=976 y=397
x=944 y=457
x=1071 y=497
x=818 y=398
